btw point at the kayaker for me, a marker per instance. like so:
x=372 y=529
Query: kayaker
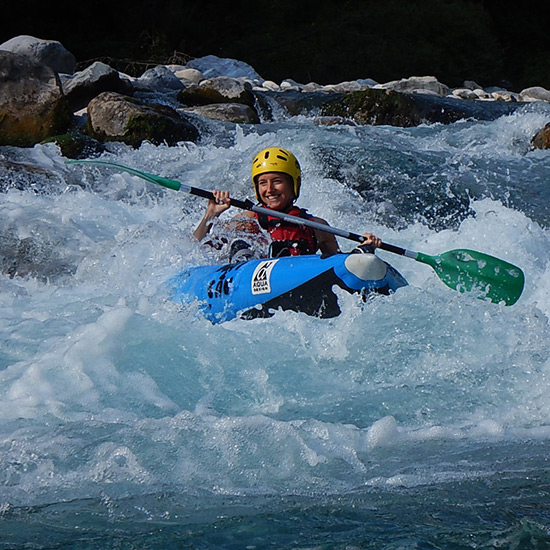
x=276 y=177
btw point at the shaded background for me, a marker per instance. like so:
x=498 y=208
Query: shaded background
x=326 y=41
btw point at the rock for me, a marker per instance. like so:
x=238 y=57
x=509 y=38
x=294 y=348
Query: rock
x=39 y=255
x=289 y=84
x=313 y=87
x=221 y=89
x=114 y=117
x=89 y=83
x=18 y=173
x=416 y=84
x=504 y=96
x=482 y=94
x=346 y=87
x=542 y=138
x=227 y=112
x=45 y=52
x=191 y=76
x=159 y=79
x=270 y=85
x=294 y=102
x=231 y=89
x=536 y=93
x=464 y=93
x=367 y=82
x=386 y=107
x=377 y=107
x=471 y=85
x=77 y=146
x=32 y=104
x=212 y=66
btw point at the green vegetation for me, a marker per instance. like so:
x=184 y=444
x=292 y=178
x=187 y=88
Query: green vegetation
x=325 y=41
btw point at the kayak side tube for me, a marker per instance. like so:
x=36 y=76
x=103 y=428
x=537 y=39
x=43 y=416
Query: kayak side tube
x=301 y=283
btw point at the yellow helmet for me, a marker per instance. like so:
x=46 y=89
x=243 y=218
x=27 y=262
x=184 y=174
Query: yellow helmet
x=275 y=159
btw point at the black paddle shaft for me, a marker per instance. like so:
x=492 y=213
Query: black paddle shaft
x=249 y=205
x=462 y=270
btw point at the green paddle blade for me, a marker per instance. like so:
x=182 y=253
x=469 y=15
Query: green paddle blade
x=470 y=271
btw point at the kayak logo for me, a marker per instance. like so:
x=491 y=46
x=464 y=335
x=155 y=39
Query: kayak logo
x=261 y=278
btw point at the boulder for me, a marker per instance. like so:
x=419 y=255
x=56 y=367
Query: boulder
x=45 y=52
x=289 y=84
x=159 y=79
x=504 y=96
x=385 y=107
x=536 y=93
x=346 y=87
x=114 y=117
x=32 y=104
x=38 y=255
x=212 y=66
x=189 y=76
x=293 y=102
x=221 y=89
x=227 y=112
x=471 y=85
x=81 y=88
x=271 y=86
x=77 y=146
x=417 y=84
x=377 y=107
x=542 y=138
x=465 y=93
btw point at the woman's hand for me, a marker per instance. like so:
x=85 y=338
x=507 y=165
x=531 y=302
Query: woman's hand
x=371 y=240
x=220 y=203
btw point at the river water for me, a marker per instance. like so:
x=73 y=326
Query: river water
x=416 y=421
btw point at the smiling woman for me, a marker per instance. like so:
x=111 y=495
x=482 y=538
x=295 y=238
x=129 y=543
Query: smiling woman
x=414 y=420
x=276 y=176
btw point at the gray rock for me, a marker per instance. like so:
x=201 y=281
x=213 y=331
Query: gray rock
x=31 y=101
x=465 y=93
x=160 y=79
x=212 y=66
x=536 y=93
x=471 y=85
x=46 y=52
x=221 y=89
x=89 y=83
x=227 y=112
x=417 y=84
x=192 y=76
x=114 y=117
x=385 y=107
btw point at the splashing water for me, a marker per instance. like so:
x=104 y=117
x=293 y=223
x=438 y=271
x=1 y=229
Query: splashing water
x=419 y=420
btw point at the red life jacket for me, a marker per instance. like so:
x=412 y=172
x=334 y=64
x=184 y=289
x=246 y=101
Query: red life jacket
x=297 y=239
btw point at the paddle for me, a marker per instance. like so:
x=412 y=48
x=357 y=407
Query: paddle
x=461 y=269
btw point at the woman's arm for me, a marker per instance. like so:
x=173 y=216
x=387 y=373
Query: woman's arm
x=327 y=241
x=329 y=245
x=215 y=207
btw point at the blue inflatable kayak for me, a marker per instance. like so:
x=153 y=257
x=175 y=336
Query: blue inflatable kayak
x=256 y=288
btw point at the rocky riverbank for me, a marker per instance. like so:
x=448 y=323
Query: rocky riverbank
x=43 y=99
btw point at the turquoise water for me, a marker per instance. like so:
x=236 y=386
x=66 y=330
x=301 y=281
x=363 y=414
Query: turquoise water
x=415 y=421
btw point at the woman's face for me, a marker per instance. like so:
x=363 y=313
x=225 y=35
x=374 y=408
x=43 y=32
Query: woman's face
x=276 y=190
